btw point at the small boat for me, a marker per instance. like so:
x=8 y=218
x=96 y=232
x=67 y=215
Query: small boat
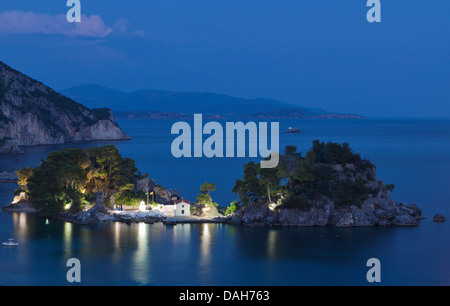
x=10 y=243
x=292 y=130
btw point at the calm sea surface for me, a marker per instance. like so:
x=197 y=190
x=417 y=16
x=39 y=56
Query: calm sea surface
x=412 y=154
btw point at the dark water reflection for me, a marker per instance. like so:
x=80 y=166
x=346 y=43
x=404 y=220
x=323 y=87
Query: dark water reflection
x=412 y=154
x=214 y=254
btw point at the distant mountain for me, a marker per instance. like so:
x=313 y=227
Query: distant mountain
x=158 y=104
x=175 y=102
x=34 y=114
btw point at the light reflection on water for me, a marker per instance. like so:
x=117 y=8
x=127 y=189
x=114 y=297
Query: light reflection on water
x=141 y=257
x=68 y=238
x=20 y=223
x=205 y=245
x=115 y=254
x=411 y=154
x=271 y=244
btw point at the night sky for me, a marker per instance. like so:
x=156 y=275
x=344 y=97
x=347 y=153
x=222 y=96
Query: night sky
x=320 y=53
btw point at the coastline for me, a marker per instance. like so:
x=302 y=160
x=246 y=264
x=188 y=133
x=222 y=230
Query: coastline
x=376 y=210
x=19 y=208
x=127 y=217
x=256 y=216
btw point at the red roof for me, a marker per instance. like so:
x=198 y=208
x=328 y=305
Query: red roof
x=182 y=200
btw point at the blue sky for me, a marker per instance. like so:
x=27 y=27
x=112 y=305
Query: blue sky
x=319 y=53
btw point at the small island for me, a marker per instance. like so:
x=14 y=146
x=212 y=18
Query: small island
x=329 y=186
x=97 y=185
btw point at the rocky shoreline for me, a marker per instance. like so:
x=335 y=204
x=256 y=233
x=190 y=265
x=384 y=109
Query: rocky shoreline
x=386 y=214
x=19 y=207
x=403 y=215
x=99 y=213
x=377 y=211
x=380 y=210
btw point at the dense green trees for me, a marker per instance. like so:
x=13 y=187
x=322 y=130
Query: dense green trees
x=204 y=198
x=234 y=206
x=330 y=170
x=250 y=189
x=23 y=175
x=334 y=153
x=130 y=198
x=72 y=176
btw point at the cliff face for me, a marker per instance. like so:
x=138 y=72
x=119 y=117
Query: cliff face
x=34 y=114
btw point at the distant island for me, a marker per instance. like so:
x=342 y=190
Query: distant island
x=160 y=115
x=158 y=104
x=34 y=114
x=299 y=113
x=330 y=185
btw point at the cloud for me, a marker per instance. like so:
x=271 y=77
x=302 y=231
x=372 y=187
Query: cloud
x=122 y=27
x=19 y=22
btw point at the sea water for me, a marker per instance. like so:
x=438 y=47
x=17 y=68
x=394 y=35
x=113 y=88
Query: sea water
x=412 y=154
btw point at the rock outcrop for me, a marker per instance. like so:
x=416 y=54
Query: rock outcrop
x=439 y=218
x=380 y=210
x=22 y=206
x=148 y=217
x=97 y=213
x=8 y=146
x=162 y=195
x=142 y=185
x=34 y=114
